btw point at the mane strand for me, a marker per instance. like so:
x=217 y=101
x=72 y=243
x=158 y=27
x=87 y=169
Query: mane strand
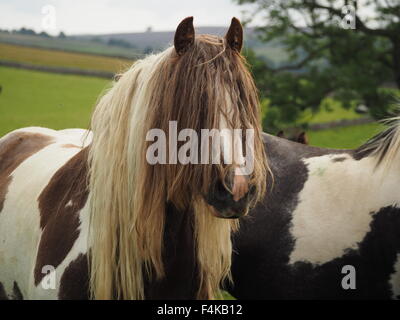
x=384 y=146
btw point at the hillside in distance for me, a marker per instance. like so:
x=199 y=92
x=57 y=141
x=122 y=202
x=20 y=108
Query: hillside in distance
x=69 y=44
x=153 y=41
x=158 y=40
x=136 y=45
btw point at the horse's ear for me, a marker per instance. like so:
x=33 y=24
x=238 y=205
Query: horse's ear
x=184 y=36
x=280 y=134
x=234 y=37
x=302 y=138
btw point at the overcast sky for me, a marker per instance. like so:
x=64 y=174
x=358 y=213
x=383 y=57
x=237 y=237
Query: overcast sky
x=110 y=16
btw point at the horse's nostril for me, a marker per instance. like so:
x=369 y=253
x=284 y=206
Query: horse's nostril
x=221 y=193
x=224 y=203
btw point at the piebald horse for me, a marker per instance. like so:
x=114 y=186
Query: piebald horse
x=83 y=214
x=328 y=227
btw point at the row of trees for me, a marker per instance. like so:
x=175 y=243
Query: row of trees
x=32 y=32
x=349 y=50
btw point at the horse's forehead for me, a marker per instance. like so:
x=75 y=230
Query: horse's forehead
x=209 y=46
x=210 y=38
x=15 y=148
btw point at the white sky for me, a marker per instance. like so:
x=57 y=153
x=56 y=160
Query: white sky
x=111 y=16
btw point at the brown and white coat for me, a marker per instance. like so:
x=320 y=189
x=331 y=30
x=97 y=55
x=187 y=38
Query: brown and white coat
x=43 y=221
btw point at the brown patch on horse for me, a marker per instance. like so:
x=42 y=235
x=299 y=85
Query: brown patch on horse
x=59 y=204
x=74 y=283
x=69 y=145
x=339 y=159
x=15 y=149
x=302 y=138
x=296 y=137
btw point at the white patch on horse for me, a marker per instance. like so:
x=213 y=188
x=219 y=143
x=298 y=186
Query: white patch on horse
x=337 y=204
x=79 y=137
x=395 y=279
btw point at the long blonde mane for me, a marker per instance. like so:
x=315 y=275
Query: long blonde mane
x=128 y=196
x=385 y=146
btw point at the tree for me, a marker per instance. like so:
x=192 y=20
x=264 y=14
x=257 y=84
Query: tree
x=24 y=30
x=118 y=43
x=62 y=35
x=44 y=34
x=327 y=55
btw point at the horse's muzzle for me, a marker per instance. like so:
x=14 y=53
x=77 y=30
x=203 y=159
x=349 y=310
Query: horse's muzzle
x=224 y=204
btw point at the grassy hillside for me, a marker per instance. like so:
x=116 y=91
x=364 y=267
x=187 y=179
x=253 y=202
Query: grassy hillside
x=157 y=40
x=31 y=98
x=69 y=44
x=61 y=59
x=335 y=111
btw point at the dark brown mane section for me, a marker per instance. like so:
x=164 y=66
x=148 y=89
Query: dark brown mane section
x=181 y=279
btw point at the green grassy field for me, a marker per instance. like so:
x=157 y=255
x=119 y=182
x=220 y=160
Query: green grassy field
x=344 y=138
x=31 y=98
x=56 y=58
x=335 y=111
x=69 y=44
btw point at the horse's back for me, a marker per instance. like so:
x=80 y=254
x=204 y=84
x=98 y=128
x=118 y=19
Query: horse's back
x=42 y=224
